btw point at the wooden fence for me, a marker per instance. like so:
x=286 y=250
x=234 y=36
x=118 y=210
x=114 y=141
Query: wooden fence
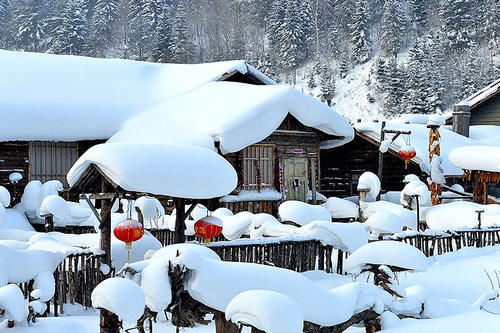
x=439 y=243
x=296 y=255
x=167 y=237
x=270 y=207
x=75 y=278
x=70 y=229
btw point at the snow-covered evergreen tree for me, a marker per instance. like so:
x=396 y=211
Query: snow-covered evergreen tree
x=105 y=13
x=392 y=29
x=459 y=23
x=162 y=33
x=29 y=26
x=70 y=35
x=360 y=32
x=416 y=98
x=418 y=14
x=180 y=48
x=327 y=82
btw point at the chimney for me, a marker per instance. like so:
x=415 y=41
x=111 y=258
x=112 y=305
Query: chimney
x=461 y=119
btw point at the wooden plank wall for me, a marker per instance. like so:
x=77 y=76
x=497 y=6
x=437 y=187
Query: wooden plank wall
x=14 y=157
x=341 y=165
x=487 y=113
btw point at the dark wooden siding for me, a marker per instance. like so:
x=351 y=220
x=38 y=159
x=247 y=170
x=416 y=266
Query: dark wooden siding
x=340 y=168
x=14 y=157
x=487 y=113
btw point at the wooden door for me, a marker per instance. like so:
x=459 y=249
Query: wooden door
x=296 y=180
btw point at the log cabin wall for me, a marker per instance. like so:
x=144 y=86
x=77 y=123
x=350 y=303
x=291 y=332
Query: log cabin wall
x=487 y=113
x=38 y=160
x=342 y=166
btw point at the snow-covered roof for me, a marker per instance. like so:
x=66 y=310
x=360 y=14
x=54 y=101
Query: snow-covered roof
x=234 y=114
x=69 y=98
x=178 y=171
x=419 y=139
x=484 y=158
x=482 y=95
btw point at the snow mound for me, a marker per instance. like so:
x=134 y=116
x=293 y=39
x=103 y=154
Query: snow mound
x=216 y=283
x=384 y=223
x=476 y=158
x=150 y=207
x=459 y=215
x=369 y=181
x=248 y=195
x=56 y=206
x=120 y=296
x=12 y=301
x=389 y=253
x=4 y=197
x=15 y=177
x=267 y=311
x=436 y=120
x=234 y=226
x=160 y=169
x=302 y=213
x=345 y=236
x=341 y=208
x=413 y=188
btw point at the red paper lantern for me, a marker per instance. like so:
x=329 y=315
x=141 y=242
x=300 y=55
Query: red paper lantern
x=208 y=227
x=407 y=153
x=129 y=231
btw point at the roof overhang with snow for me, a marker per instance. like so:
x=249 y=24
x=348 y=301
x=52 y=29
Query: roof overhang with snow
x=71 y=98
x=482 y=95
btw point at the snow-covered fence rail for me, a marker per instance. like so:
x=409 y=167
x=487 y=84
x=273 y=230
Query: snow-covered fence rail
x=270 y=207
x=442 y=242
x=69 y=229
x=75 y=278
x=296 y=255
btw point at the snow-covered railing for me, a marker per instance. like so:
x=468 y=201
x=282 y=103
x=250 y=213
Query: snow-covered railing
x=75 y=278
x=438 y=242
x=167 y=237
x=255 y=206
x=68 y=229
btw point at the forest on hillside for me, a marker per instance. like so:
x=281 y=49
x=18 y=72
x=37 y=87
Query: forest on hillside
x=425 y=54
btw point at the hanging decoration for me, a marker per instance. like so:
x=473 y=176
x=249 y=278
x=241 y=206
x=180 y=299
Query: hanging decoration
x=129 y=231
x=208 y=227
x=407 y=152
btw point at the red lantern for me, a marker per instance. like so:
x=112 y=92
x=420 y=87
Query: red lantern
x=208 y=227
x=407 y=153
x=128 y=231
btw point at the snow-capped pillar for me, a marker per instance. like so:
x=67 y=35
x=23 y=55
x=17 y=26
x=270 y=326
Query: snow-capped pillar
x=49 y=223
x=461 y=119
x=180 y=225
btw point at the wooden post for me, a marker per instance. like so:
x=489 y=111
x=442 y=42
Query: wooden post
x=313 y=181
x=224 y=326
x=49 y=223
x=418 y=212
x=361 y=198
x=381 y=156
x=109 y=322
x=180 y=225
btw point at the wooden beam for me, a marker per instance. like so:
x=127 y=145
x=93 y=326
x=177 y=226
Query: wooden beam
x=180 y=225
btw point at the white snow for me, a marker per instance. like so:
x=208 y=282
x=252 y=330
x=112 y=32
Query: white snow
x=4 y=197
x=368 y=181
x=302 y=213
x=341 y=208
x=266 y=310
x=436 y=120
x=459 y=215
x=15 y=177
x=485 y=158
x=160 y=169
x=384 y=223
x=345 y=236
x=56 y=206
x=216 y=283
x=12 y=301
x=390 y=253
x=215 y=113
x=415 y=188
x=251 y=195
x=151 y=209
x=120 y=296
x=119 y=88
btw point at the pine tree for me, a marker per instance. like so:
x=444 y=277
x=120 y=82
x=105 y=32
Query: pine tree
x=105 y=13
x=327 y=81
x=180 y=47
x=275 y=21
x=290 y=37
x=4 y=19
x=344 y=65
x=311 y=80
x=436 y=81
x=162 y=33
x=394 y=89
x=392 y=28
x=418 y=14
x=70 y=35
x=417 y=80
x=458 y=23
x=360 y=34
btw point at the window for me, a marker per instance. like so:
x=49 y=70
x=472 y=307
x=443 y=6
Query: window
x=52 y=160
x=258 y=167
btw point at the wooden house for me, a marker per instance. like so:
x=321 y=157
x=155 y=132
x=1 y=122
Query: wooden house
x=47 y=126
x=61 y=118
x=482 y=108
